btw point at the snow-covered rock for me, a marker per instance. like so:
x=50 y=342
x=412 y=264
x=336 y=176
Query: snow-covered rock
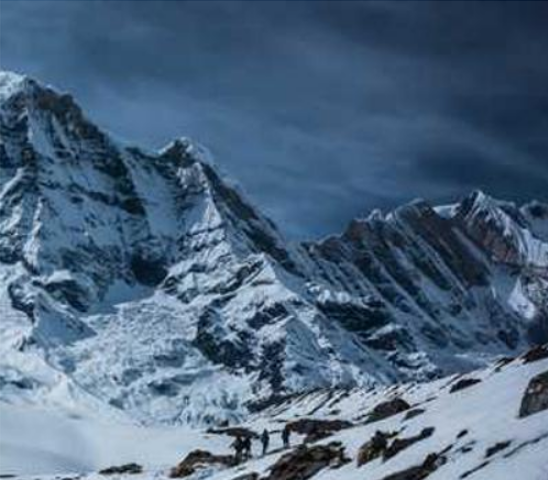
x=147 y=282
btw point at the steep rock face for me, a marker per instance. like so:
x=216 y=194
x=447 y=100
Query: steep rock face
x=149 y=281
x=418 y=285
x=146 y=277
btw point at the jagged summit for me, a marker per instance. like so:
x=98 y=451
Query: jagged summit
x=11 y=83
x=149 y=282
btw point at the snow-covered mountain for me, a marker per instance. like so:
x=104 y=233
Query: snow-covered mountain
x=147 y=282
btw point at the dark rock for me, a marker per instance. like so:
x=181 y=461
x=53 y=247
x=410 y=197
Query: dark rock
x=148 y=271
x=497 y=447
x=462 y=433
x=413 y=413
x=234 y=432
x=463 y=383
x=128 y=468
x=430 y=464
x=247 y=476
x=373 y=448
x=535 y=398
x=316 y=429
x=198 y=459
x=400 y=444
x=387 y=409
x=304 y=462
x=474 y=470
x=502 y=362
x=539 y=352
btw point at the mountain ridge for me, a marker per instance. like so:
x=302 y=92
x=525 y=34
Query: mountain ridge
x=156 y=262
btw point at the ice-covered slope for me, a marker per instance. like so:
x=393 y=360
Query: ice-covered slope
x=146 y=278
x=147 y=281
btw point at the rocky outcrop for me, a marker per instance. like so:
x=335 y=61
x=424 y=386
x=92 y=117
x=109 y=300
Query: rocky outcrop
x=199 y=459
x=373 y=448
x=497 y=447
x=127 y=469
x=247 y=476
x=535 y=398
x=415 y=412
x=304 y=462
x=316 y=429
x=387 y=409
x=463 y=383
x=399 y=444
x=430 y=464
x=539 y=352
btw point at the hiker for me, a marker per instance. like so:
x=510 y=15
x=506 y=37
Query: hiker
x=265 y=439
x=238 y=446
x=285 y=436
x=246 y=447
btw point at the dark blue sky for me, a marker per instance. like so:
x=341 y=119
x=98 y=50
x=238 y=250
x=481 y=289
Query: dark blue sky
x=320 y=110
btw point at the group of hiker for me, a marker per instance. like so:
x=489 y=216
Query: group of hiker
x=242 y=445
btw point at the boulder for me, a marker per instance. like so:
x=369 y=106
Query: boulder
x=304 y=462
x=463 y=383
x=315 y=429
x=128 y=468
x=430 y=464
x=536 y=353
x=400 y=444
x=373 y=448
x=387 y=409
x=535 y=398
x=198 y=459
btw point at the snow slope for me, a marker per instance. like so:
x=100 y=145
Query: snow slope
x=486 y=411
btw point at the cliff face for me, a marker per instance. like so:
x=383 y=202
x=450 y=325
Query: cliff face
x=151 y=283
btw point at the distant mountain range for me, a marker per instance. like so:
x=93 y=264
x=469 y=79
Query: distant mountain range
x=148 y=282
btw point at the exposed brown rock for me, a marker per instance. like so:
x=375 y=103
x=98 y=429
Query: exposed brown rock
x=373 y=448
x=430 y=464
x=400 y=444
x=387 y=409
x=315 y=429
x=539 y=352
x=247 y=476
x=304 y=462
x=199 y=459
x=128 y=468
x=535 y=398
x=463 y=383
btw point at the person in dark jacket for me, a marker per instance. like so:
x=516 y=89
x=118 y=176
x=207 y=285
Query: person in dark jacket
x=285 y=436
x=238 y=446
x=246 y=450
x=265 y=440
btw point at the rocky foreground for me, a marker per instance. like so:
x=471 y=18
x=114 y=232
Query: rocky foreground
x=489 y=424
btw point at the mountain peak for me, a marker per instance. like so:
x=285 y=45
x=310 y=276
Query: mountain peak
x=11 y=83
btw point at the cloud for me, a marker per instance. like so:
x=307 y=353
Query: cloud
x=322 y=110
